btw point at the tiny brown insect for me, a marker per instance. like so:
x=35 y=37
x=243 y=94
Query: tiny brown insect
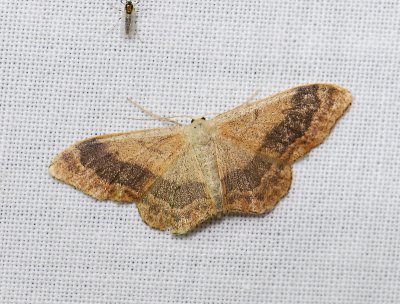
x=129 y=18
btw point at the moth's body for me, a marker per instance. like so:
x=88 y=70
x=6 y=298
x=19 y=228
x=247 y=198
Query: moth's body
x=129 y=18
x=180 y=176
x=201 y=137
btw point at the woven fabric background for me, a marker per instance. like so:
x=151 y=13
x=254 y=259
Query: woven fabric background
x=65 y=74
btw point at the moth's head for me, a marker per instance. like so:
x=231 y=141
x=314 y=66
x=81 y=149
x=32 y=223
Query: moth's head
x=197 y=120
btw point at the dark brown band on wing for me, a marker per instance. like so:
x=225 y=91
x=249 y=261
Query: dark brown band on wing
x=178 y=196
x=256 y=188
x=249 y=177
x=297 y=120
x=94 y=155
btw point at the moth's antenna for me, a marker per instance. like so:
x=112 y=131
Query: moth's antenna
x=191 y=116
x=179 y=116
x=169 y=117
x=172 y=117
x=151 y=114
x=142 y=119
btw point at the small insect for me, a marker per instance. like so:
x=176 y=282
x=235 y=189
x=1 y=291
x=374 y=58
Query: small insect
x=129 y=19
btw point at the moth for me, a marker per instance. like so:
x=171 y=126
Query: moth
x=180 y=176
x=129 y=19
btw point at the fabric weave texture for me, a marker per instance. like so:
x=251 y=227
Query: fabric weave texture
x=65 y=75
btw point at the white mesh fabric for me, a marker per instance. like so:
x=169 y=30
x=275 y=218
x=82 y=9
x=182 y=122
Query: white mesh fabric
x=65 y=74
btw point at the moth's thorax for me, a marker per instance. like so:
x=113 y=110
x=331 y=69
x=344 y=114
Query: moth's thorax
x=200 y=134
